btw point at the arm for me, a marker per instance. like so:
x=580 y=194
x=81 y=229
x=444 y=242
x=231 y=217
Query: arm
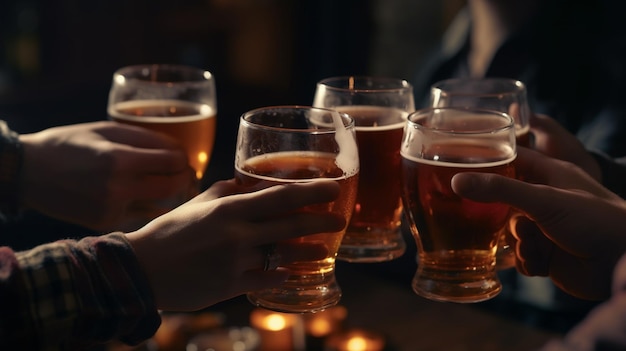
x=76 y=293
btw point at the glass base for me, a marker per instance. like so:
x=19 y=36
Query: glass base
x=367 y=245
x=450 y=287
x=300 y=294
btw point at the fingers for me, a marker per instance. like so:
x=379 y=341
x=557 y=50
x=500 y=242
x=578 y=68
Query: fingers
x=545 y=124
x=287 y=253
x=487 y=187
x=286 y=198
x=534 y=166
x=303 y=194
x=560 y=213
x=142 y=149
x=537 y=200
x=256 y=278
x=136 y=136
x=532 y=248
x=296 y=225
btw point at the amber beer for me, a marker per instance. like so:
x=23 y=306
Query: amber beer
x=457 y=238
x=375 y=222
x=191 y=124
x=307 y=278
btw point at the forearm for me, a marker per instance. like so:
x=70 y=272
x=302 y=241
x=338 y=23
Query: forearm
x=74 y=294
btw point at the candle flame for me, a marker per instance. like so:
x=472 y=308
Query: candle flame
x=357 y=343
x=275 y=322
x=320 y=327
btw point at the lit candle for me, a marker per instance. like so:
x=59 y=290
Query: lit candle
x=356 y=340
x=324 y=323
x=319 y=325
x=278 y=331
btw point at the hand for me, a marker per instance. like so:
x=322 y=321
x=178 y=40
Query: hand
x=91 y=173
x=573 y=228
x=603 y=328
x=211 y=248
x=555 y=141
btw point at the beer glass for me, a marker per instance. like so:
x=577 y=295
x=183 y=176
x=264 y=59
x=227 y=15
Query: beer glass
x=500 y=94
x=379 y=106
x=456 y=238
x=287 y=144
x=176 y=100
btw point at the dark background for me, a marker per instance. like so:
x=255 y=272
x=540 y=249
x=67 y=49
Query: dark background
x=57 y=58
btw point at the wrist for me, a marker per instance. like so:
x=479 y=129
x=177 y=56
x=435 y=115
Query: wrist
x=11 y=161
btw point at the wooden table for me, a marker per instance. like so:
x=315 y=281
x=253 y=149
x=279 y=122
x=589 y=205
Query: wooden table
x=408 y=322
x=412 y=323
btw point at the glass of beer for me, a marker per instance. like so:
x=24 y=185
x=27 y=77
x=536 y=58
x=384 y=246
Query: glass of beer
x=379 y=107
x=499 y=94
x=456 y=238
x=288 y=144
x=176 y=100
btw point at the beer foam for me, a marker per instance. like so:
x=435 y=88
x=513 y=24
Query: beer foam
x=348 y=157
x=460 y=164
x=203 y=111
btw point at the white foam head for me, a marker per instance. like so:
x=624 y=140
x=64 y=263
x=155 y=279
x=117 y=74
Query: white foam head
x=348 y=157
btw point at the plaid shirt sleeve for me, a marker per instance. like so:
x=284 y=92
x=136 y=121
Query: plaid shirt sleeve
x=70 y=295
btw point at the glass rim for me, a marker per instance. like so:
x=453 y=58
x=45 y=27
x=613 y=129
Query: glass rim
x=516 y=86
x=417 y=115
x=347 y=120
x=396 y=84
x=134 y=73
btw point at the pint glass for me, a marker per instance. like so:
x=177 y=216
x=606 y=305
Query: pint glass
x=176 y=100
x=456 y=238
x=499 y=94
x=287 y=144
x=379 y=106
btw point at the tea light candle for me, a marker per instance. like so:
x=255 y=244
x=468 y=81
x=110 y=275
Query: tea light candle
x=356 y=340
x=324 y=323
x=320 y=325
x=222 y=339
x=278 y=331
